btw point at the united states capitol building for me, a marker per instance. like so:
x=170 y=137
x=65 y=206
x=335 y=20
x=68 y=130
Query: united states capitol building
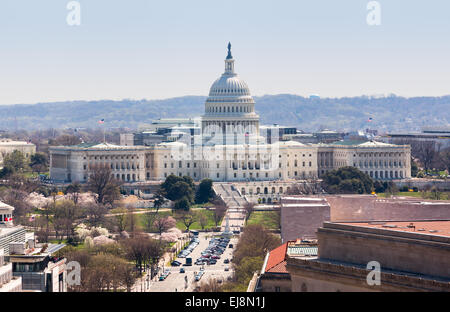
x=227 y=143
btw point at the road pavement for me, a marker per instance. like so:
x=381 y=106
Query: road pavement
x=176 y=280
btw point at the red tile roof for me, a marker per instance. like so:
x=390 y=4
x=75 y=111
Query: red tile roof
x=276 y=262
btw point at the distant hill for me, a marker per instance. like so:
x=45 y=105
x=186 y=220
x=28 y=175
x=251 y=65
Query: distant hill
x=388 y=113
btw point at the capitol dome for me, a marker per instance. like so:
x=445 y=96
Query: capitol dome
x=229 y=85
x=230 y=106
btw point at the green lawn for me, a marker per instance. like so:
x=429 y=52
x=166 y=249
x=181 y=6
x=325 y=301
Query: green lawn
x=180 y=225
x=428 y=195
x=268 y=219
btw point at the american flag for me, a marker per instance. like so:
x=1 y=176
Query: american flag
x=101 y=121
x=370 y=119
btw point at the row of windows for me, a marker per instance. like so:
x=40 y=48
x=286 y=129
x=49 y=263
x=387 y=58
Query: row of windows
x=391 y=154
x=304 y=155
x=296 y=164
x=379 y=164
x=110 y=157
x=118 y=166
x=180 y=165
x=232 y=109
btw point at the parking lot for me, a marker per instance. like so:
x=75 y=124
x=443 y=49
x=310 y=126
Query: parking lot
x=176 y=281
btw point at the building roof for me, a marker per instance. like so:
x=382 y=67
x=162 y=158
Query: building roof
x=276 y=259
x=439 y=228
x=8 y=142
x=5 y=206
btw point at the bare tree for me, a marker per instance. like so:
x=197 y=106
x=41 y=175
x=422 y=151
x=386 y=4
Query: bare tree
x=162 y=224
x=102 y=182
x=218 y=213
x=96 y=214
x=210 y=285
x=188 y=219
x=249 y=207
x=202 y=219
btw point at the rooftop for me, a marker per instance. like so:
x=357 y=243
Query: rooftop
x=11 y=142
x=276 y=261
x=439 y=228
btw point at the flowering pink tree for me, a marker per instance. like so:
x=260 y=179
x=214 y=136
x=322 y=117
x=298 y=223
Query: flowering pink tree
x=164 y=223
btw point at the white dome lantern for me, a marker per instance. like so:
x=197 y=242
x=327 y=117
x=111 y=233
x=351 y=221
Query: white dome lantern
x=230 y=104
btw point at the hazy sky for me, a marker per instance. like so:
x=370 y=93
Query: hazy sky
x=158 y=49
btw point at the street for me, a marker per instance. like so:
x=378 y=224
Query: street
x=176 y=280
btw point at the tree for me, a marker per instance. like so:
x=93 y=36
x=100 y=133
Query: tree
x=188 y=219
x=426 y=152
x=38 y=162
x=120 y=219
x=175 y=188
x=5 y=172
x=210 y=285
x=102 y=272
x=219 y=212
x=65 y=218
x=74 y=191
x=249 y=207
x=182 y=204
x=248 y=257
x=162 y=224
x=131 y=222
x=102 y=183
x=144 y=250
x=391 y=188
x=204 y=192
x=180 y=190
x=414 y=168
x=65 y=140
x=96 y=214
x=347 y=180
x=202 y=219
x=158 y=200
x=15 y=161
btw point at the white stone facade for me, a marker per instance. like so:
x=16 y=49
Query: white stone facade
x=229 y=148
x=8 y=146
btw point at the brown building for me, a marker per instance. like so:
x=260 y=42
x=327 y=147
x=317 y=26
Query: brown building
x=274 y=276
x=413 y=256
x=302 y=216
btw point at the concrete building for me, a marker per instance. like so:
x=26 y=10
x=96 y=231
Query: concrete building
x=346 y=249
x=28 y=263
x=74 y=163
x=8 y=146
x=8 y=282
x=38 y=268
x=381 y=161
x=274 y=276
x=440 y=137
x=301 y=216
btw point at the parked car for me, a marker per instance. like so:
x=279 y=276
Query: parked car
x=226 y=261
x=176 y=263
x=182 y=270
x=227 y=268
